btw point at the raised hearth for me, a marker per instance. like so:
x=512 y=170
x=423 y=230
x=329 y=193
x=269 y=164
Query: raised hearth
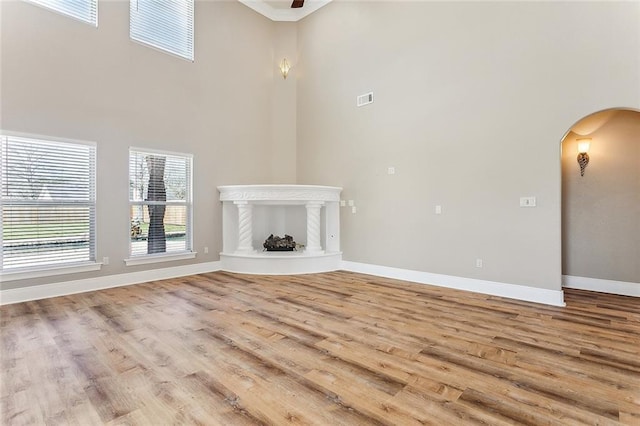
x=250 y=213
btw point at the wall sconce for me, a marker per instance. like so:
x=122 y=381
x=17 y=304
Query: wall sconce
x=284 y=67
x=583 y=153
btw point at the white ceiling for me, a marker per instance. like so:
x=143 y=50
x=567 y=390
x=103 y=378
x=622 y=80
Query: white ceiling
x=280 y=10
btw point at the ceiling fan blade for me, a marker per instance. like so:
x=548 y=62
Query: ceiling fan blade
x=297 y=3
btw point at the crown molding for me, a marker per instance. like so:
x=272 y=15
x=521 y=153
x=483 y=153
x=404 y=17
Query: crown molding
x=285 y=14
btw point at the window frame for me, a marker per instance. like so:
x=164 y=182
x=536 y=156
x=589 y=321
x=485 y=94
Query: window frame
x=29 y=272
x=188 y=252
x=93 y=4
x=150 y=40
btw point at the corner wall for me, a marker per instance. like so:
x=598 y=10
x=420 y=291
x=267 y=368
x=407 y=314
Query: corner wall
x=283 y=106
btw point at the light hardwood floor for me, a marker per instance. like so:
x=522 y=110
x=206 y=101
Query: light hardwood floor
x=323 y=349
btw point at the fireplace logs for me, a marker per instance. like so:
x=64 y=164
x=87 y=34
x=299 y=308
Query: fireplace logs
x=275 y=243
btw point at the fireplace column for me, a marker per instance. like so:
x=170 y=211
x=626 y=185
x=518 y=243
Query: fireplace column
x=313 y=226
x=245 y=227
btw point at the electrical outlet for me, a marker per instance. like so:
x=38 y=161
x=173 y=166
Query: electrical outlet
x=105 y=260
x=391 y=170
x=353 y=209
x=351 y=203
x=343 y=203
x=478 y=263
x=206 y=250
x=438 y=209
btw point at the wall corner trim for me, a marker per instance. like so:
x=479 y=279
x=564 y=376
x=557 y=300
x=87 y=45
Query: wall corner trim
x=65 y=288
x=622 y=288
x=511 y=291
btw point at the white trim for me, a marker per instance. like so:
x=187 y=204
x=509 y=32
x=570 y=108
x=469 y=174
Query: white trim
x=281 y=263
x=68 y=14
x=512 y=291
x=286 y=14
x=623 y=288
x=161 y=27
x=188 y=253
x=81 y=265
x=279 y=193
x=30 y=273
x=531 y=294
x=157 y=258
x=159 y=152
x=46 y=138
x=44 y=291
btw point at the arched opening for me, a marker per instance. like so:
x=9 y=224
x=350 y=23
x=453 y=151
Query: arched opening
x=601 y=203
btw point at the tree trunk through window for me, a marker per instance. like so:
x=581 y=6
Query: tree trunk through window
x=156 y=239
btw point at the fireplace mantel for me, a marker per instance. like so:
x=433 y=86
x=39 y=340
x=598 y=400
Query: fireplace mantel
x=310 y=213
x=279 y=193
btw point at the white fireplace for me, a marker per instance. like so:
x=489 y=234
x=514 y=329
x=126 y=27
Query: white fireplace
x=309 y=213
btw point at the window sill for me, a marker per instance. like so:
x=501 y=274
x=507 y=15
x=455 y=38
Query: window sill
x=29 y=273
x=157 y=258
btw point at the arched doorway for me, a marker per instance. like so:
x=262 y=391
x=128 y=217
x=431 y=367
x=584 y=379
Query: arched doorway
x=601 y=203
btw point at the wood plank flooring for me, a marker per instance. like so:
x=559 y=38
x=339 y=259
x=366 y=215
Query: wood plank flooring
x=323 y=349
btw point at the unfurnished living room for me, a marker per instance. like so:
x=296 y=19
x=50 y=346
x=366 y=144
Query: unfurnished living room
x=323 y=212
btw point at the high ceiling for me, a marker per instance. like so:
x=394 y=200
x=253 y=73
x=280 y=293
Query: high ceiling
x=280 y=10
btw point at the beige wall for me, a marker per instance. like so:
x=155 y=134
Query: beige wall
x=471 y=102
x=66 y=79
x=601 y=210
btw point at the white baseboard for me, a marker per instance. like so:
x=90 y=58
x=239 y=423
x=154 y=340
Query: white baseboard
x=623 y=288
x=512 y=291
x=25 y=294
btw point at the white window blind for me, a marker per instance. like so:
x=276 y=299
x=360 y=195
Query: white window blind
x=160 y=202
x=163 y=24
x=84 y=10
x=48 y=203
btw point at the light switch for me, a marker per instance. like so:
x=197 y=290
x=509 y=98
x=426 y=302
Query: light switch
x=527 y=201
x=351 y=203
x=438 y=209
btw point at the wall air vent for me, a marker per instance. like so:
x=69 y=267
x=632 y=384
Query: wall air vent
x=365 y=99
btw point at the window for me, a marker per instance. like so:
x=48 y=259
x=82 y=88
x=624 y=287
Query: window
x=160 y=202
x=48 y=203
x=163 y=24
x=84 y=10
